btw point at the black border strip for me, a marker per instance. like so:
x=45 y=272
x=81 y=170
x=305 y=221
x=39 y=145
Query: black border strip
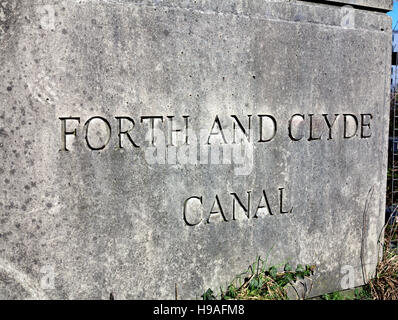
x=341 y=4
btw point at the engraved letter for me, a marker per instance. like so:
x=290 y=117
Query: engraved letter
x=191 y=224
x=213 y=211
x=64 y=132
x=247 y=134
x=245 y=209
x=216 y=121
x=152 y=125
x=87 y=124
x=366 y=124
x=291 y=121
x=172 y=130
x=330 y=125
x=261 y=116
x=281 y=202
x=125 y=132
x=346 y=124
x=260 y=206
x=311 y=138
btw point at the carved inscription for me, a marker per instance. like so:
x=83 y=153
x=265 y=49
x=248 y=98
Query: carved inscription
x=197 y=210
x=261 y=128
x=168 y=133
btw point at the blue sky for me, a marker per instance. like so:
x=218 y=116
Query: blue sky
x=394 y=15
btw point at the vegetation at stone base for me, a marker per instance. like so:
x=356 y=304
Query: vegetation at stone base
x=384 y=286
x=333 y=296
x=262 y=283
x=362 y=293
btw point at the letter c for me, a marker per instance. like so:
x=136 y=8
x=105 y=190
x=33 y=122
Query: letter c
x=291 y=127
x=185 y=211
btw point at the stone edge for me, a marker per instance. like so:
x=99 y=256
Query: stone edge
x=377 y=5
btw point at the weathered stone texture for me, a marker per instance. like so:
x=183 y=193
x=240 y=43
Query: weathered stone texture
x=106 y=221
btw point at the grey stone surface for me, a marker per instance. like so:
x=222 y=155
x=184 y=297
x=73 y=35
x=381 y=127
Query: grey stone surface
x=84 y=223
x=376 y=4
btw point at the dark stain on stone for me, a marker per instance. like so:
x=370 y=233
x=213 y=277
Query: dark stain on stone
x=166 y=32
x=49 y=205
x=9 y=89
x=64 y=31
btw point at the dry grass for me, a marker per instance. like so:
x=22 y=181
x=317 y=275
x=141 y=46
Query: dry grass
x=269 y=290
x=263 y=283
x=385 y=284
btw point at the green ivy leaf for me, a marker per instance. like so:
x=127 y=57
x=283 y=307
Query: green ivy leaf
x=300 y=268
x=272 y=272
x=288 y=267
x=289 y=277
x=232 y=292
x=208 y=295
